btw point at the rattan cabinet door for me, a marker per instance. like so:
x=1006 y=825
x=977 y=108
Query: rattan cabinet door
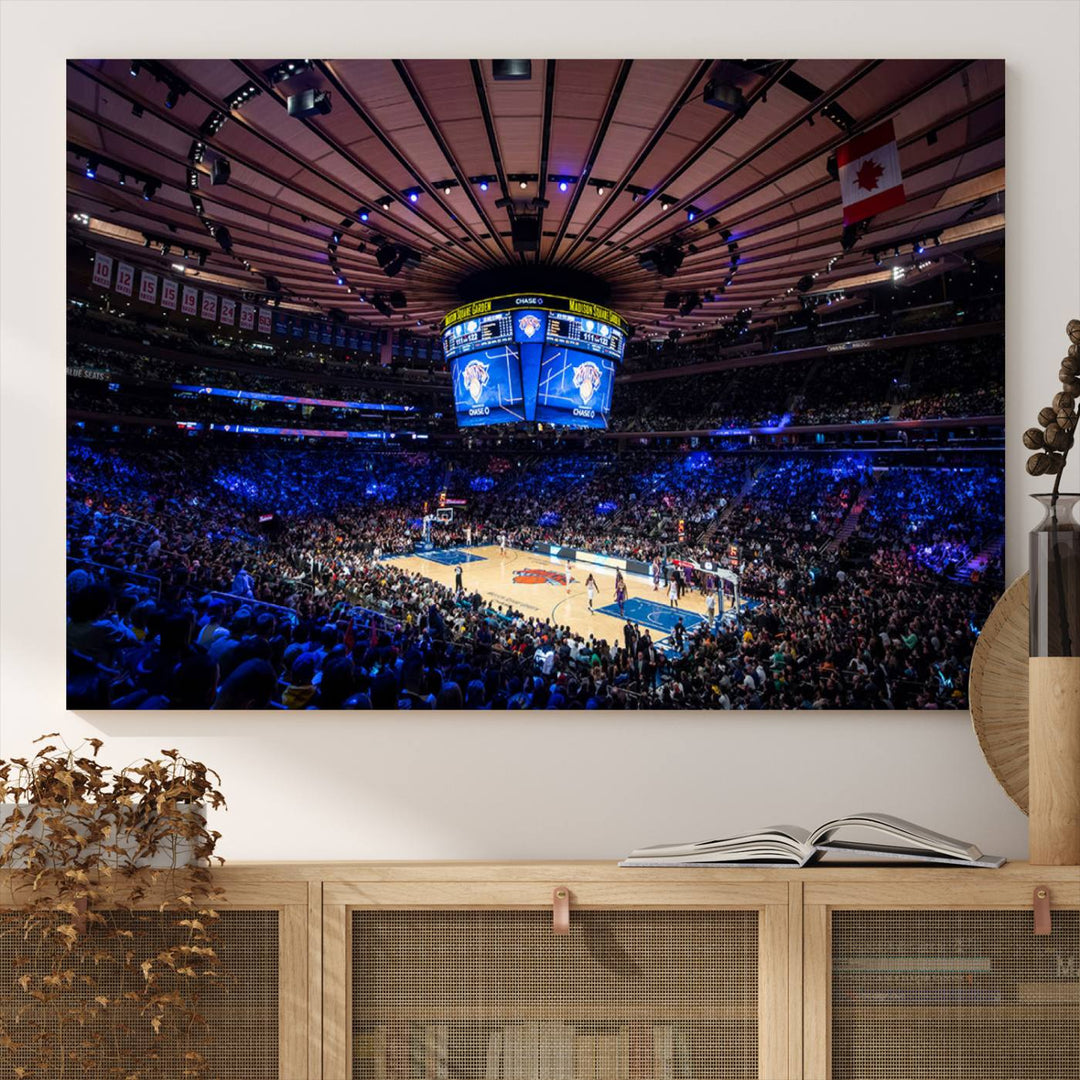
x=490 y=992
x=942 y=993
x=234 y=1021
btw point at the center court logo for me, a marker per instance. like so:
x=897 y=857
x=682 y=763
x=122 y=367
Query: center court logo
x=529 y=325
x=475 y=377
x=533 y=576
x=587 y=378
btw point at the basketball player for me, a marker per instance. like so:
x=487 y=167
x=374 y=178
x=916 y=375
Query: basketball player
x=673 y=591
x=590 y=588
x=502 y=544
x=457 y=579
x=567 y=575
x=620 y=591
x=710 y=604
x=468 y=536
x=655 y=574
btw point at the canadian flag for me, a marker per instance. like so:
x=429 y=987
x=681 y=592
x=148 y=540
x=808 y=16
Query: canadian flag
x=870 y=178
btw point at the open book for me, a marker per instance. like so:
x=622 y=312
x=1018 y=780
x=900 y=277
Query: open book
x=864 y=837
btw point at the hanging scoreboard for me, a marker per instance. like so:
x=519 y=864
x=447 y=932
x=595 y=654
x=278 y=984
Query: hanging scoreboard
x=524 y=358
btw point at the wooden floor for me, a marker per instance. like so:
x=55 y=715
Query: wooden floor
x=545 y=594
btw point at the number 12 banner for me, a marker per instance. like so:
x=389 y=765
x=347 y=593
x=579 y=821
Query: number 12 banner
x=125 y=279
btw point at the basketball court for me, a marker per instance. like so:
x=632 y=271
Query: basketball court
x=536 y=585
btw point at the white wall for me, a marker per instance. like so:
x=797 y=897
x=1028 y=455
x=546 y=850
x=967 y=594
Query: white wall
x=515 y=785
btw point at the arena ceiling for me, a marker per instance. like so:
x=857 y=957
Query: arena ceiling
x=610 y=156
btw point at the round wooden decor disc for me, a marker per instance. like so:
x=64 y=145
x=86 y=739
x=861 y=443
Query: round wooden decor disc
x=998 y=691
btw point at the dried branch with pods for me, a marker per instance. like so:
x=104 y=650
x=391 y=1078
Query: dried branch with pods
x=108 y=955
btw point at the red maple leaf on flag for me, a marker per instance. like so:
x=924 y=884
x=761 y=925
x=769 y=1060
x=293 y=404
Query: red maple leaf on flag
x=868 y=175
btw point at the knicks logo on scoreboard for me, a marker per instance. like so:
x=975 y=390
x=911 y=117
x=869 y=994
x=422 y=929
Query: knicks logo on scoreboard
x=529 y=325
x=475 y=377
x=587 y=378
x=533 y=576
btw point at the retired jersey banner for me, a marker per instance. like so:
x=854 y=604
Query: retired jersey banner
x=209 y=306
x=125 y=279
x=247 y=317
x=190 y=304
x=102 y=270
x=228 y=311
x=264 y=320
x=148 y=287
x=870 y=179
x=169 y=291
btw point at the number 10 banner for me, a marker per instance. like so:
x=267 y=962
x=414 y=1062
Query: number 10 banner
x=102 y=270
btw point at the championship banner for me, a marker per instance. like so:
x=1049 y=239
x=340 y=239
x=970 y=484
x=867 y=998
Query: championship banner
x=247 y=316
x=102 y=270
x=870 y=179
x=209 y=306
x=228 y=311
x=264 y=320
x=148 y=287
x=190 y=304
x=169 y=292
x=125 y=279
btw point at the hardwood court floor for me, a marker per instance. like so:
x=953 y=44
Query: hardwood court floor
x=543 y=593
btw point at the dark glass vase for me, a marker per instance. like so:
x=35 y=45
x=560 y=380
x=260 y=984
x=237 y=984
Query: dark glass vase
x=1055 y=578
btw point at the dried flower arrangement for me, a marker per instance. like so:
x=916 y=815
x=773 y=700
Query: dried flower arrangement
x=1053 y=440
x=107 y=924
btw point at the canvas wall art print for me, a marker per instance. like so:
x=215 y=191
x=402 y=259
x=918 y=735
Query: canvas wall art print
x=556 y=384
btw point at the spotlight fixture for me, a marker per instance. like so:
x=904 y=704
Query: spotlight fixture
x=523 y=184
x=172 y=97
x=483 y=182
x=193 y=178
x=664 y=260
x=413 y=194
x=150 y=189
x=136 y=111
x=665 y=203
x=446 y=185
x=309 y=103
x=195 y=153
x=213 y=123
x=341 y=281
x=362 y=213
x=197 y=204
x=336 y=237
x=91 y=169
x=285 y=70
x=483 y=185
x=511 y=70
x=602 y=185
x=220 y=172
x=241 y=95
x=386 y=202
x=918 y=247
x=563 y=185
x=691 y=213
x=877 y=258
x=134 y=69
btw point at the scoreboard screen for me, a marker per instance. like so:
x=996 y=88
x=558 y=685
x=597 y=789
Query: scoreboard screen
x=480 y=333
x=543 y=358
x=575 y=388
x=586 y=335
x=487 y=387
